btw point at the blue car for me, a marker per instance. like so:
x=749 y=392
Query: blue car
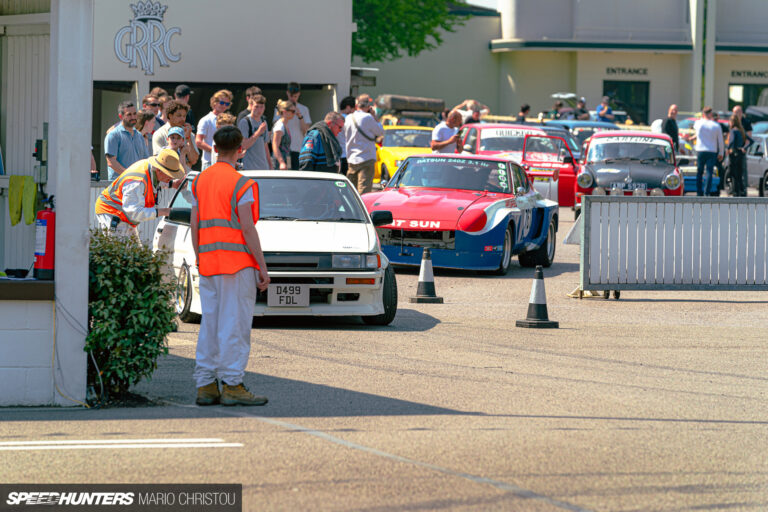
x=473 y=212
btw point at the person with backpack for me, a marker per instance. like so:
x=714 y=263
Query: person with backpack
x=360 y=130
x=255 y=135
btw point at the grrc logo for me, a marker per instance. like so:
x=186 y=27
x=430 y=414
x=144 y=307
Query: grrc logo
x=146 y=38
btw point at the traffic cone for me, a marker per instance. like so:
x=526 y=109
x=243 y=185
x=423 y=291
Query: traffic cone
x=425 y=293
x=537 y=305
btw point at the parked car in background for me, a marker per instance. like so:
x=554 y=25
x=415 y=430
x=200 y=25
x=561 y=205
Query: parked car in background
x=400 y=110
x=473 y=212
x=760 y=127
x=629 y=163
x=399 y=143
x=582 y=130
x=757 y=164
x=319 y=242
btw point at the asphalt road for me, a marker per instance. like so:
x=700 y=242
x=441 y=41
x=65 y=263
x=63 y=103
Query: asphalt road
x=657 y=401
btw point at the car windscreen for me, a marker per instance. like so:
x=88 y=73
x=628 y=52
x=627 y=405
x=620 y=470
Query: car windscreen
x=454 y=173
x=299 y=199
x=407 y=138
x=644 y=149
x=502 y=139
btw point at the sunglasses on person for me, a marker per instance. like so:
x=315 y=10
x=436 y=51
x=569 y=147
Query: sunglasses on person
x=291 y=110
x=153 y=104
x=225 y=103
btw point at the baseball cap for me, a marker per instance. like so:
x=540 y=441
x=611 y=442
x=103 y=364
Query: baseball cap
x=182 y=90
x=176 y=130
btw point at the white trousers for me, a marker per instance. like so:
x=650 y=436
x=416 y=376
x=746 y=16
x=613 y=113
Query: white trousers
x=224 y=342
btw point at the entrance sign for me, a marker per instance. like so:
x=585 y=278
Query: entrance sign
x=146 y=38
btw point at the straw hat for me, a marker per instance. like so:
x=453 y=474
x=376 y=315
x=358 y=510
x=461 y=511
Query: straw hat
x=168 y=161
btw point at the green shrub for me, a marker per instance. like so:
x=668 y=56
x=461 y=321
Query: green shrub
x=130 y=311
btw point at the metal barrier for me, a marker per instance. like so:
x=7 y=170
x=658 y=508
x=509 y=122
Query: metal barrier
x=146 y=229
x=674 y=243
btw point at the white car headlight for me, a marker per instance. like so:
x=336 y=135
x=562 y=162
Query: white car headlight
x=672 y=181
x=598 y=191
x=372 y=261
x=347 y=261
x=657 y=192
x=585 y=180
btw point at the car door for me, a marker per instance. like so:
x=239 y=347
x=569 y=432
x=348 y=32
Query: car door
x=173 y=233
x=756 y=163
x=549 y=162
x=525 y=198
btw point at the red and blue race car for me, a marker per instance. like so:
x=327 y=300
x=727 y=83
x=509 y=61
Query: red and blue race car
x=473 y=212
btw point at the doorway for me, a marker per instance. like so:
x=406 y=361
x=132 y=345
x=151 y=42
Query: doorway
x=631 y=97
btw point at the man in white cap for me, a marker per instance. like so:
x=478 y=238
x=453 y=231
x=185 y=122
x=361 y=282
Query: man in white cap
x=132 y=197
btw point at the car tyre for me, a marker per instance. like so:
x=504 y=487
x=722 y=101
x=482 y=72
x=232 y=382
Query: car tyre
x=184 y=296
x=389 y=298
x=545 y=254
x=762 y=188
x=506 y=252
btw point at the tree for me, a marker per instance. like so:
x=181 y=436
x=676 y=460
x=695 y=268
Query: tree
x=385 y=27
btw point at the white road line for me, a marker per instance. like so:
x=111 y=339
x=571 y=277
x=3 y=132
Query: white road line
x=115 y=444
x=112 y=441
x=514 y=489
x=120 y=446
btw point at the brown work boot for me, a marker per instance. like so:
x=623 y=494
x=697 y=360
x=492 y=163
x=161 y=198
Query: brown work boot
x=239 y=395
x=208 y=394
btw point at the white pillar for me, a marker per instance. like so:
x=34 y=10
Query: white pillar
x=709 y=54
x=71 y=109
x=697 y=39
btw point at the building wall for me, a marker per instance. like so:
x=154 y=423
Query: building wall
x=741 y=21
x=24 y=54
x=532 y=76
x=462 y=67
x=26 y=346
x=668 y=75
x=737 y=69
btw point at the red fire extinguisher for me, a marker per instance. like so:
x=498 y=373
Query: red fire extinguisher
x=45 y=238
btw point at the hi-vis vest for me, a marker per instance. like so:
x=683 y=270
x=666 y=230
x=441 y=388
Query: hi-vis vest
x=221 y=245
x=111 y=199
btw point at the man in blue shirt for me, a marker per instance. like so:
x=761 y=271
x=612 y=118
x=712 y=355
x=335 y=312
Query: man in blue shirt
x=604 y=112
x=321 y=150
x=124 y=145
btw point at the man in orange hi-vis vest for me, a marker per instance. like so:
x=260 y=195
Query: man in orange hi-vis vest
x=132 y=196
x=231 y=267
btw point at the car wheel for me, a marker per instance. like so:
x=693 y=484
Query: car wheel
x=545 y=254
x=184 y=296
x=389 y=298
x=616 y=294
x=762 y=188
x=506 y=253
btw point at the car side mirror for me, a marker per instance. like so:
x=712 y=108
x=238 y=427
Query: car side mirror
x=381 y=217
x=520 y=191
x=383 y=183
x=180 y=215
x=468 y=148
x=567 y=159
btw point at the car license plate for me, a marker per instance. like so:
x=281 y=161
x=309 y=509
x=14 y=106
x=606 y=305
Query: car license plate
x=629 y=186
x=288 y=295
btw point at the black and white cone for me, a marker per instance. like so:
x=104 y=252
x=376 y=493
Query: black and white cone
x=537 y=305
x=425 y=292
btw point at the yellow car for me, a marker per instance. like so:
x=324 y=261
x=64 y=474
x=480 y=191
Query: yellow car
x=399 y=143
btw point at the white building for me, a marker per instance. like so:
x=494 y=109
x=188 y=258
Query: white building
x=650 y=54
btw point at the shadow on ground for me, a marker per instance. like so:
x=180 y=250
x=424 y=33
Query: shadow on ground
x=406 y=320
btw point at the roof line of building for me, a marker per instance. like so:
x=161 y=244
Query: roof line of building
x=504 y=45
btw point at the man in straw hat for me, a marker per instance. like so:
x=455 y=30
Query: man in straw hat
x=131 y=198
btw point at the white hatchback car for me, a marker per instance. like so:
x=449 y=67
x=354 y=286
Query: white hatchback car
x=319 y=242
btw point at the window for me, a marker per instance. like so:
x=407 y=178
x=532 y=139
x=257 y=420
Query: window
x=520 y=179
x=472 y=140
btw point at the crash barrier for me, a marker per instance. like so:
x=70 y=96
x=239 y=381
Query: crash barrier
x=146 y=229
x=674 y=243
